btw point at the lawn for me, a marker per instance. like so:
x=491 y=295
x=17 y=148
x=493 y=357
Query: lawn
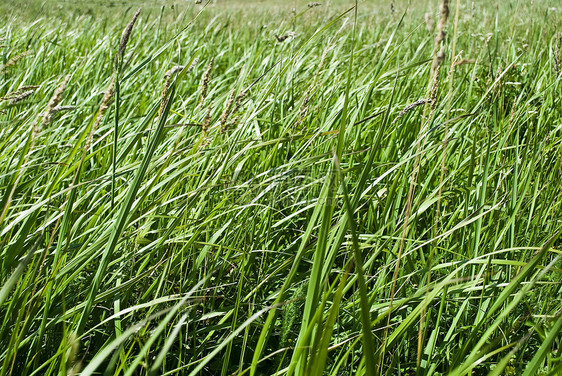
x=281 y=188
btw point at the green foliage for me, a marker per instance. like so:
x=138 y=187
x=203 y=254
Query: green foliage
x=156 y=220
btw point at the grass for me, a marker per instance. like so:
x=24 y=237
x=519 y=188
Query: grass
x=339 y=202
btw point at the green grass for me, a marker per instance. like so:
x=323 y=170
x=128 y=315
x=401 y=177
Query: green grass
x=293 y=221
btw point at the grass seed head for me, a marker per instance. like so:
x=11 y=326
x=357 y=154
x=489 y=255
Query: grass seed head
x=126 y=35
x=205 y=84
x=193 y=65
x=20 y=94
x=107 y=97
x=410 y=107
x=20 y=97
x=434 y=88
x=15 y=59
x=73 y=359
x=29 y=87
x=55 y=100
x=224 y=126
x=239 y=100
x=429 y=22
x=58 y=109
x=169 y=73
x=303 y=111
x=103 y=109
x=168 y=79
x=226 y=112
x=207 y=121
x=439 y=50
x=463 y=62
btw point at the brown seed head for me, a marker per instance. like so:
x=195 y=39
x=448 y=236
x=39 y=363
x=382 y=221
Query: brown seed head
x=168 y=78
x=20 y=94
x=237 y=105
x=304 y=106
x=29 y=87
x=439 y=50
x=226 y=112
x=463 y=62
x=207 y=121
x=126 y=35
x=15 y=59
x=101 y=112
x=190 y=68
x=410 y=107
x=434 y=89
x=205 y=84
x=20 y=97
x=55 y=100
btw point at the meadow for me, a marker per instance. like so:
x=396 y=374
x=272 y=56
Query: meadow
x=281 y=188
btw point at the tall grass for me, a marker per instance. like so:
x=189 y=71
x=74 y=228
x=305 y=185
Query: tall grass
x=216 y=198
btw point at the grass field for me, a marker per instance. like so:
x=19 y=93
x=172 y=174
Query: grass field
x=260 y=188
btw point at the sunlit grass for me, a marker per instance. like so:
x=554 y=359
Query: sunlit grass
x=315 y=201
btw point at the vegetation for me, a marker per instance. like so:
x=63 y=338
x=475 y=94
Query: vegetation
x=235 y=188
